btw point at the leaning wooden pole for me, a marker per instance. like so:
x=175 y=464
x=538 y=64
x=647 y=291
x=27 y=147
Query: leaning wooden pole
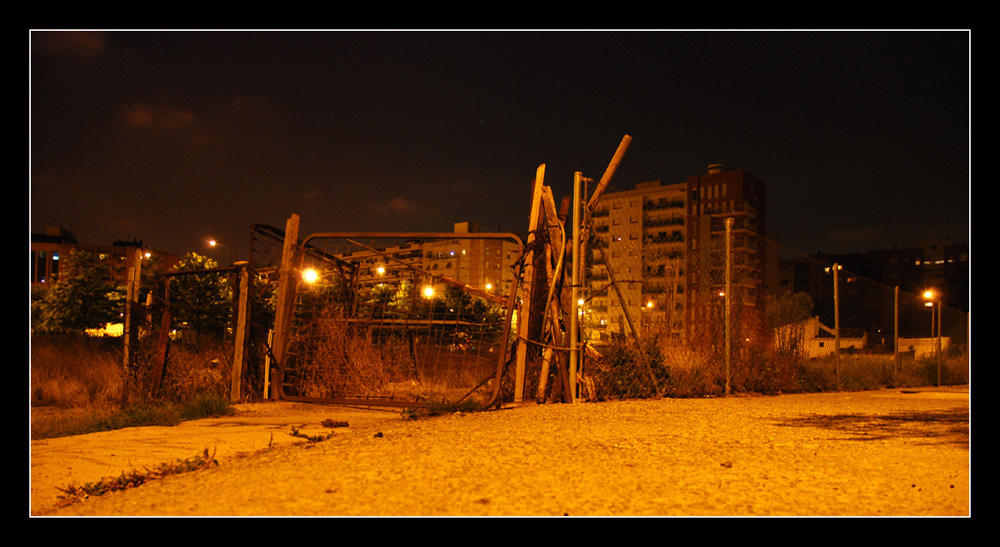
x=529 y=288
x=602 y=186
x=287 y=286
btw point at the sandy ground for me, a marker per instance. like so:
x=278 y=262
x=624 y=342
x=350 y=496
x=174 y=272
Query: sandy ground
x=878 y=453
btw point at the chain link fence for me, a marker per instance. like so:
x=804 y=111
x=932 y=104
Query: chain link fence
x=397 y=319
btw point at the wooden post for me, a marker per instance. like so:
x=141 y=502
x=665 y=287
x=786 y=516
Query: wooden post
x=287 y=286
x=529 y=276
x=242 y=322
x=164 y=340
x=129 y=330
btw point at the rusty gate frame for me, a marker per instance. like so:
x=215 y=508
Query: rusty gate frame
x=290 y=279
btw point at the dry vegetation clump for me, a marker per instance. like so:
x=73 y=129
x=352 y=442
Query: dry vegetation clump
x=693 y=373
x=195 y=370
x=76 y=385
x=335 y=360
x=688 y=371
x=69 y=371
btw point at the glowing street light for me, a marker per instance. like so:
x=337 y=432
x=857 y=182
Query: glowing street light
x=428 y=292
x=310 y=275
x=930 y=295
x=214 y=243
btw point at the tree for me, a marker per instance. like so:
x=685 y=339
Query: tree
x=786 y=313
x=83 y=297
x=202 y=302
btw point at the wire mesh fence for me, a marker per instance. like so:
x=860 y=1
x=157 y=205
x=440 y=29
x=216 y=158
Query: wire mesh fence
x=400 y=320
x=668 y=307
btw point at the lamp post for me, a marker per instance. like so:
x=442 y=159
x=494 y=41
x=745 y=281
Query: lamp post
x=933 y=298
x=214 y=243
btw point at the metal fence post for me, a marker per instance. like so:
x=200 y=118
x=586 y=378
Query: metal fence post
x=728 y=297
x=836 y=319
x=895 y=330
x=574 y=320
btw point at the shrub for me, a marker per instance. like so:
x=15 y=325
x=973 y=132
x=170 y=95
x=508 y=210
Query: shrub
x=621 y=373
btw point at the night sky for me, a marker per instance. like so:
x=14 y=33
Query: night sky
x=862 y=138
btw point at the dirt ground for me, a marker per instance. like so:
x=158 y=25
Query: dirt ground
x=899 y=452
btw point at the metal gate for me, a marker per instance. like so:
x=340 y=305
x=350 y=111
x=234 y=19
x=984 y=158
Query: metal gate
x=400 y=319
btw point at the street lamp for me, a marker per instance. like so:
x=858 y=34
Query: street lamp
x=933 y=298
x=214 y=243
x=310 y=275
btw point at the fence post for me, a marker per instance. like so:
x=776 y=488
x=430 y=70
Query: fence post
x=939 y=303
x=242 y=321
x=574 y=320
x=836 y=319
x=128 y=332
x=530 y=289
x=728 y=298
x=895 y=330
x=164 y=339
x=287 y=284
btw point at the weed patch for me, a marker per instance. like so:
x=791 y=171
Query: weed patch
x=134 y=478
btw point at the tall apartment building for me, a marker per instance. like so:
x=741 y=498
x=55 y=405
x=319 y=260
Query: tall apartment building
x=659 y=246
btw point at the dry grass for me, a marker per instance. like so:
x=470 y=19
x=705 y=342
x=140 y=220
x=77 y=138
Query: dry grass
x=75 y=372
x=76 y=386
x=335 y=360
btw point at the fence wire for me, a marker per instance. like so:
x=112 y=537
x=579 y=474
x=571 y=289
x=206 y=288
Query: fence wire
x=668 y=309
x=399 y=321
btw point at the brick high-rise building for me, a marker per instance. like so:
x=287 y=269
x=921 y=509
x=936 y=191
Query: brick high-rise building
x=662 y=247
